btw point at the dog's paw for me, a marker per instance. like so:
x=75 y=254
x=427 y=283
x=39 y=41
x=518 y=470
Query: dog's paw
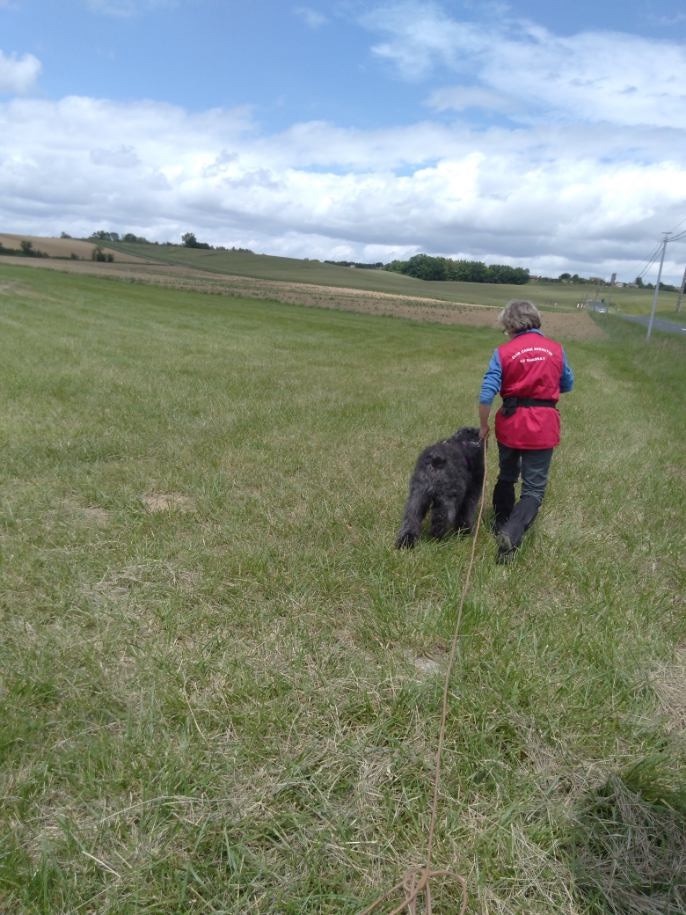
x=405 y=541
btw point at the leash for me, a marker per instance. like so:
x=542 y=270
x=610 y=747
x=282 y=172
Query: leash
x=417 y=880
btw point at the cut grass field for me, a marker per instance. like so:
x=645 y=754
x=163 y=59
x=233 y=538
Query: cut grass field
x=546 y=294
x=59 y=247
x=174 y=261
x=220 y=683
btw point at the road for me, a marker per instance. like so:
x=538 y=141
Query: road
x=667 y=327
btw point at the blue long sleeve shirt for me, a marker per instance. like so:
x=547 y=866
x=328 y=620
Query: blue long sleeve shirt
x=493 y=377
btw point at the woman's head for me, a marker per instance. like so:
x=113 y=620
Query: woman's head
x=519 y=315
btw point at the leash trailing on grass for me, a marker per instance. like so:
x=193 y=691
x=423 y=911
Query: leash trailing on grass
x=417 y=880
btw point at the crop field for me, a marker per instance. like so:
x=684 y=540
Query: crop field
x=220 y=683
x=59 y=247
x=562 y=296
x=226 y=267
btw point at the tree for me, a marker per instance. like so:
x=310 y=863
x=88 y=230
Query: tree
x=102 y=235
x=189 y=240
x=99 y=255
x=503 y=273
x=520 y=275
x=473 y=271
x=396 y=266
x=425 y=267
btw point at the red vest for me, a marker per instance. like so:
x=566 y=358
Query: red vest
x=532 y=367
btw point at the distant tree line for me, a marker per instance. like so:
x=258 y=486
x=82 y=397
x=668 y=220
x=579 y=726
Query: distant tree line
x=426 y=267
x=665 y=287
x=421 y=266
x=575 y=279
x=25 y=249
x=102 y=235
x=188 y=239
x=377 y=266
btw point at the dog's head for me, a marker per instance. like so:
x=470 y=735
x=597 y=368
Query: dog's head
x=467 y=435
x=472 y=447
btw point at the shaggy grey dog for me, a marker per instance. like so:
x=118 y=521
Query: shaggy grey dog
x=447 y=480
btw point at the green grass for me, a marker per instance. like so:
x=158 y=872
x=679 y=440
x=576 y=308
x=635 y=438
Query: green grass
x=221 y=684
x=261 y=266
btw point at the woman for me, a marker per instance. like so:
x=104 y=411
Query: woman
x=530 y=372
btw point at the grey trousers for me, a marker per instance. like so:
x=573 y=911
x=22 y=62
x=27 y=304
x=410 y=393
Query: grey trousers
x=533 y=466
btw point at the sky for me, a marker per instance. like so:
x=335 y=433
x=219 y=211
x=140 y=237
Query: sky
x=536 y=134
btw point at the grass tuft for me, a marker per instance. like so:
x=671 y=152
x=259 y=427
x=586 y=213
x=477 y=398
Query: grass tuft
x=629 y=852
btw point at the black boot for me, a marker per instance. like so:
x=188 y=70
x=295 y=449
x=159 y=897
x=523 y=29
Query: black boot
x=503 y=503
x=512 y=531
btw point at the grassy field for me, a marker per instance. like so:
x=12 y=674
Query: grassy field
x=283 y=269
x=548 y=295
x=221 y=684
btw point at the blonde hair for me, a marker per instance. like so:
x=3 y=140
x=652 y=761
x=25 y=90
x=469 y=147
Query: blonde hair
x=519 y=315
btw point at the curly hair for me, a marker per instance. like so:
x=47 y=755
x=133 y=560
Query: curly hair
x=519 y=315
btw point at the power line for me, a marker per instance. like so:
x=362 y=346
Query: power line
x=671 y=236
x=677 y=225
x=653 y=258
x=663 y=248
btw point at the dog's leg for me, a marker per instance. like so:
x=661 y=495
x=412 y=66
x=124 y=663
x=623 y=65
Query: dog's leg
x=415 y=511
x=443 y=516
x=467 y=513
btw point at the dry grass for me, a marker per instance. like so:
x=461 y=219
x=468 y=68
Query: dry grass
x=167 y=501
x=630 y=851
x=576 y=325
x=227 y=699
x=63 y=247
x=669 y=682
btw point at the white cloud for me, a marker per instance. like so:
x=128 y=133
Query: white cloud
x=593 y=77
x=117 y=157
x=587 y=181
x=460 y=98
x=589 y=77
x=422 y=37
x=18 y=74
x=312 y=18
x=538 y=197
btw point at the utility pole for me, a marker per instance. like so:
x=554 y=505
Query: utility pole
x=657 y=286
x=681 y=292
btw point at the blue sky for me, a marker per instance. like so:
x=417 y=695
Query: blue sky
x=550 y=136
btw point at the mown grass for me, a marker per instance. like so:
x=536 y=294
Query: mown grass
x=563 y=296
x=221 y=684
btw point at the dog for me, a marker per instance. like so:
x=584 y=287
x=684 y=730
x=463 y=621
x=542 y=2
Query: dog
x=447 y=480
